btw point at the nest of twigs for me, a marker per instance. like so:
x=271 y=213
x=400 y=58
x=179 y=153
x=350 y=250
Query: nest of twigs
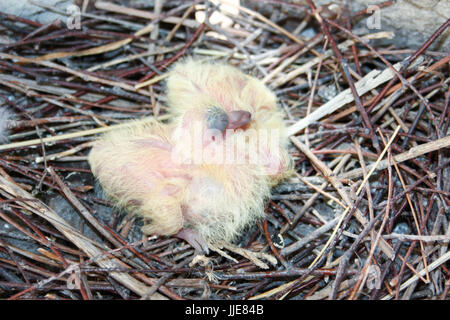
x=366 y=216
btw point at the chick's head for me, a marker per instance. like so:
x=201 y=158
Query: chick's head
x=220 y=100
x=246 y=101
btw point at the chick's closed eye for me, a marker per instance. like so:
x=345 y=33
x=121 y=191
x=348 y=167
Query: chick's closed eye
x=216 y=118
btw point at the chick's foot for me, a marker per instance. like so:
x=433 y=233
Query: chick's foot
x=194 y=238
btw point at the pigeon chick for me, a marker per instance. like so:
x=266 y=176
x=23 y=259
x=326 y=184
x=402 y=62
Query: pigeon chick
x=206 y=176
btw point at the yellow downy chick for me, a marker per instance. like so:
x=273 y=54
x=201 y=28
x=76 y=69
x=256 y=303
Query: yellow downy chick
x=202 y=178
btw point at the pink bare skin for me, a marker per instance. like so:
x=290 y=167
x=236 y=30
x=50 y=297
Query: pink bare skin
x=238 y=119
x=194 y=238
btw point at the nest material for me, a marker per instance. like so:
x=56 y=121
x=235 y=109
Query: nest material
x=366 y=216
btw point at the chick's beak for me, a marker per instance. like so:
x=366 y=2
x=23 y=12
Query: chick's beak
x=238 y=119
